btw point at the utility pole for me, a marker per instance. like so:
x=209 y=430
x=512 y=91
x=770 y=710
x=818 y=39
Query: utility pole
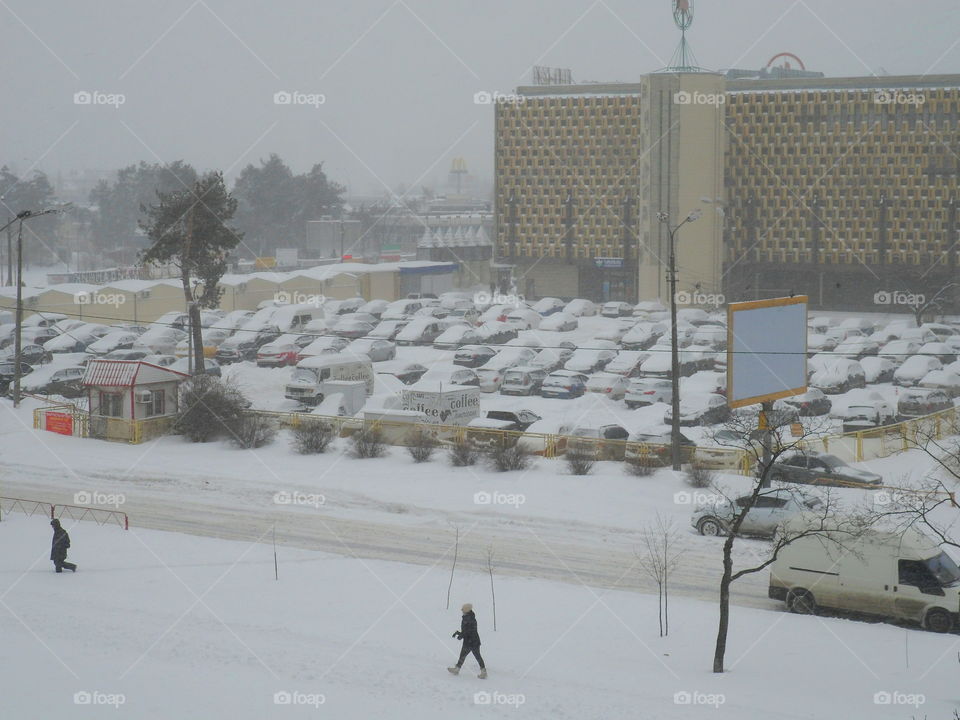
x=18 y=341
x=674 y=346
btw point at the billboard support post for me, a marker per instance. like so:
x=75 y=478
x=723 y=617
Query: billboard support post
x=767 y=410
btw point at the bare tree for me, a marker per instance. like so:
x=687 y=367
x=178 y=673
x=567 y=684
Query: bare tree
x=368 y=443
x=453 y=567
x=493 y=594
x=658 y=558
x=764 y=449
x=462 y=453
x=580 y=462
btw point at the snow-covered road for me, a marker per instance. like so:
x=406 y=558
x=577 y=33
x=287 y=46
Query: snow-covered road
x=524 y=545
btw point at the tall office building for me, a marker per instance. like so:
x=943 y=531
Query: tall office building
x=840 y=188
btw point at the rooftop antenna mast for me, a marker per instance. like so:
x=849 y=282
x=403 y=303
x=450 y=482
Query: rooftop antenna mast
x=683 y=59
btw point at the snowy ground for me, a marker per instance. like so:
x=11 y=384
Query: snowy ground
x=179 y=626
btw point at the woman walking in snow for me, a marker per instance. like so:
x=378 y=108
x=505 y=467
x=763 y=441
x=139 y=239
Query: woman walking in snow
x=58 y=548
x=471 y=640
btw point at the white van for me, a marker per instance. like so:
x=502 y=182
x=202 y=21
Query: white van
x=307 y=382
x=295 y=318
x=893 y=574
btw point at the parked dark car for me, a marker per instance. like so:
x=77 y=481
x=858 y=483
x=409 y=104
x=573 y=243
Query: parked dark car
x=473 y=356
x=30 y=353
x=66 y=382
x=245 y=346
x=6 y=373
x=820 y=469
x=915 y=402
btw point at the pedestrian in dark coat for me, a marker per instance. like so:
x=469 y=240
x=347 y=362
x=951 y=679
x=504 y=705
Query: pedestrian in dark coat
x=471 y=640
x=58 y=548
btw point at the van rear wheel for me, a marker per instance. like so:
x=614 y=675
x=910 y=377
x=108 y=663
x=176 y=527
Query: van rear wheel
x=801 y=602
x=939 y=621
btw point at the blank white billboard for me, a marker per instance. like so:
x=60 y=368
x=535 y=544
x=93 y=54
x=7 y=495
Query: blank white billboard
x=766 y=350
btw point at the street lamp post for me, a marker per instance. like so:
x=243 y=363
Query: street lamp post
x=674 y=348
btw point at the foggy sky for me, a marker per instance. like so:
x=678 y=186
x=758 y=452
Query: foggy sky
x=199 y=78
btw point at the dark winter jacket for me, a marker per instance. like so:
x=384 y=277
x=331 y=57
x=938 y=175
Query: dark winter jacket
x=468 y=630
x=61 y=541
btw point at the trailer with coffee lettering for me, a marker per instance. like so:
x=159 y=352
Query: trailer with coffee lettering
x=441 y=403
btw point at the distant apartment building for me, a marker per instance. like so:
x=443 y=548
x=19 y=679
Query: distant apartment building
x=839 y=188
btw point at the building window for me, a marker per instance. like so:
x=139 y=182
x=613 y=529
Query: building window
x=111 y=404
x=157 y=400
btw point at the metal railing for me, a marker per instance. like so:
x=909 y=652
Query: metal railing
x=101 y=516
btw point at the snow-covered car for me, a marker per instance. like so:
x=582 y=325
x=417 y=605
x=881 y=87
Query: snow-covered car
x=700 y=410
x=897 y=351
x=283 y=351
x=210 y=366
x=322 y=346
x=819 y=469
x=945 y=380
x=647 y=391
x=388 y=329
x=616 y=309
x=511 y=357
x=603 y=442
x=812 y=403
x=524 y=319
x=522 y=380
x=614 y=331
x=919 y=335
x=431 y=311
x=560 y=322
x=564 y=384
x=862 y=324
x=551 y=358
x=649 y=307
x=401 y=309
x=842 y=333
x=589 y=360
x=856 y=348
x=495 y=332
x=119 y=340
x=877 y=370
x=491 y=378
x=660 y=362
x=864 y=415
x=914 y=369
x=244 y=344
x=211 y=338
x=469 y=315
x=376 y=349
x=456 y=336
x=643 y=335
x=917 y=402
x=420 y=331
x=654 y=448
x=627 y=363
x=712 y=336
x=770 y=509
x=838 y=375
x=374 y=307
x=496 y=313
x=451 y=375
x=940 y=350
x=473 y=356
x=351 y=329
x=818 y=342
x=548 y=306
x=67 y=382
x=580 y=308
x=232 y=320
x=161 y=340
x=405 y=371
x=609 y=384
x=941 y=330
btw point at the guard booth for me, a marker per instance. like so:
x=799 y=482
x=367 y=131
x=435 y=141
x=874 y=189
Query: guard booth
x=131 y=400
